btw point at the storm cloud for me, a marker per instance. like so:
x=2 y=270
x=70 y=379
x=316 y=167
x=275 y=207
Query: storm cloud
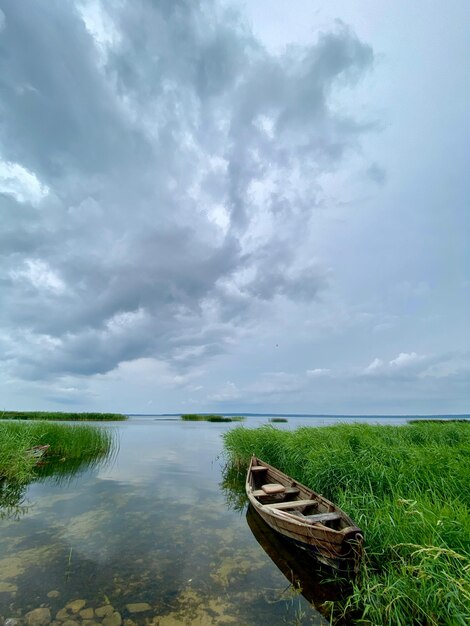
x=160 y=170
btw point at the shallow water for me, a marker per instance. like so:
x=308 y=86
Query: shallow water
x=152 y=526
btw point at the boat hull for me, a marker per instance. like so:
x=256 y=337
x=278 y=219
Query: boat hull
x=339 y=548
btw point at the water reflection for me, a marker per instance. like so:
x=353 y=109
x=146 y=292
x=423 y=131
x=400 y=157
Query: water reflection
x=233 y=487
x=12 y=496
x=59 y=470
x=147 y=538
x=316 y=584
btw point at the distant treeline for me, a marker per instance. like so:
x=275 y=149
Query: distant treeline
x=197 y=417
x=75 y=417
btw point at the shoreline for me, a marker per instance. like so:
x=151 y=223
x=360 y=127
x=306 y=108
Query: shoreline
x=406 y=486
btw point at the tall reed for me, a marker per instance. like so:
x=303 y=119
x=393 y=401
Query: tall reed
x=408 y=488
x=65 y=441
x=58 y=415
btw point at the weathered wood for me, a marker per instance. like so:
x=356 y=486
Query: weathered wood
x=273 y=488
x=293 y=504
x=339 y=547
x=289 y=491
x=323 y=517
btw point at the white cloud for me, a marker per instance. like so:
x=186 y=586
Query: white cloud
x=21 y=183
x=406 y=359
x=374 y=366
x=318 y=372
x=40 y=275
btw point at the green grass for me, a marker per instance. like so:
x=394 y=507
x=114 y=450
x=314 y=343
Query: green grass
x=197 y=417
x=48 y=415
x=408 y=488
x=67 y=442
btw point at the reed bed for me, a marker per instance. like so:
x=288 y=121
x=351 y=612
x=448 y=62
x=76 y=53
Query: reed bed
x=77 y=442
x=278 y=420
x=408 y=488
x=197 y=417
x=58 y=416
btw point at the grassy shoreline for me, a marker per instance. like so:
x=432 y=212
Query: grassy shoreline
x=67 y=442
x=62 y=416
x=408 y=488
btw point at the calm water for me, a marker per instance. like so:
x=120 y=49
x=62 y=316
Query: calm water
x=154 y=526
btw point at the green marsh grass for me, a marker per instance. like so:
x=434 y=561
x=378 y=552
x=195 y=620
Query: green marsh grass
x=408 y=488
x=68 y=442
x=58 y=416
x=197 y=417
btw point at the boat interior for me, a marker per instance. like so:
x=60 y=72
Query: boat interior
x=279 y=492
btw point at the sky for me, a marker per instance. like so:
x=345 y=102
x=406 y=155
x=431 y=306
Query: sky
x=253 y=206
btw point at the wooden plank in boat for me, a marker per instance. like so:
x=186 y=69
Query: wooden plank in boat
x=259 y=468
x=259 y=493
x=290 y=505
x=323 y=517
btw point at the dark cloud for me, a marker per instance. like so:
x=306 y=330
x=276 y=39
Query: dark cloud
x=377 y=174
x=172 y=167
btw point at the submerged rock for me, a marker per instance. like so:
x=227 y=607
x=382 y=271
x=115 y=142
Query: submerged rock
x=76 y=605
x=62 y=614
x=113 y=620
x=87 y=613
x=104 y=611
x=12 y=621
x=53 y=594
x=38 y=617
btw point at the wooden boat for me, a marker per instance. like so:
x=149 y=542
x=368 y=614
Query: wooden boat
x=37 y=452
x=307 y=518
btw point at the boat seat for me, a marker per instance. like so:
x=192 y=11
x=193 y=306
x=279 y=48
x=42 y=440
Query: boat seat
x=259 y=468
x=323 y=517
x=288 y=491
x=291 y=505
x=273 y=488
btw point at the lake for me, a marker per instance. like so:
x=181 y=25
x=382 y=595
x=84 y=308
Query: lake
x=152 y=536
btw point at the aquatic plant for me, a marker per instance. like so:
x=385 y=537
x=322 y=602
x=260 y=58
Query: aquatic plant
x=277 y=420
x=72 y=449
x=197 y=417
x=58 y=415
x=66 y=442
x=407 y=487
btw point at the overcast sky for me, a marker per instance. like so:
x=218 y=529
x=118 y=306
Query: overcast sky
x=235 y=206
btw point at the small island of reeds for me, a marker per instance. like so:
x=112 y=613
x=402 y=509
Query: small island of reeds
x=278 y=420
x=408 y=489
x=202 y=417
x=66 y=442
x=62 y=416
